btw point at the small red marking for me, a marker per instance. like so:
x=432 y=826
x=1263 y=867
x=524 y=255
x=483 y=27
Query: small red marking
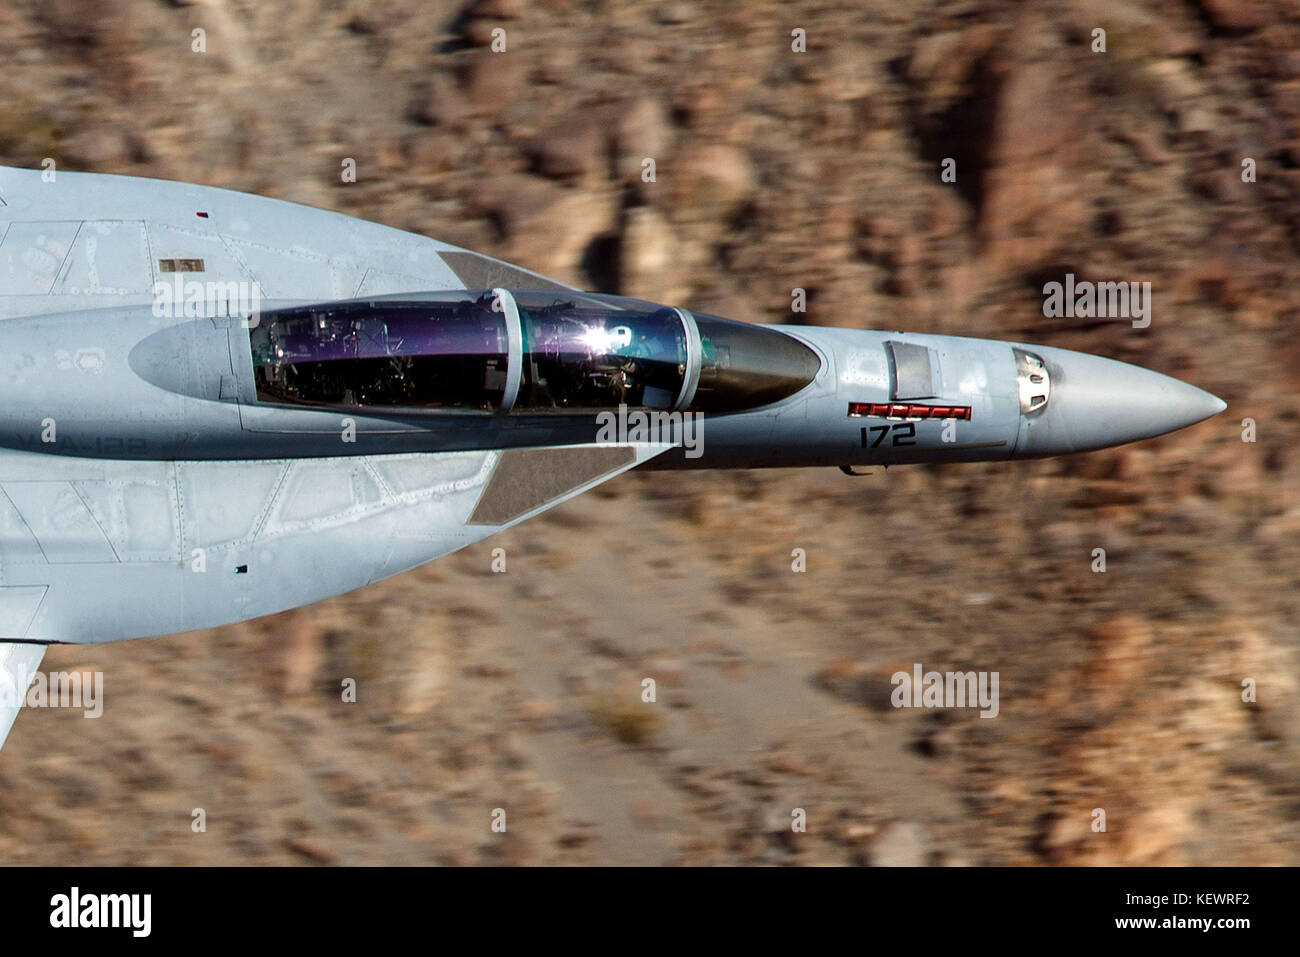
x=908 y=410
x=201 y=215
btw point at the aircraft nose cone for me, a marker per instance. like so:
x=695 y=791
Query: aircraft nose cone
x=1095 y=403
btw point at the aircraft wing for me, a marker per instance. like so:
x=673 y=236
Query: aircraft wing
x=17 y=662
x=103 y=550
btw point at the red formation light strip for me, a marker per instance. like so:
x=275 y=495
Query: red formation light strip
x=909 y=410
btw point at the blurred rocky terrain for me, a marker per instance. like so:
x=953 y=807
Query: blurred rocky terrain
x=774 y=170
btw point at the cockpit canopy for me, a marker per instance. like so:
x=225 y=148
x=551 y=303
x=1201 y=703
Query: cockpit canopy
x=529 y=352
x=586 y=353
x=444 y=351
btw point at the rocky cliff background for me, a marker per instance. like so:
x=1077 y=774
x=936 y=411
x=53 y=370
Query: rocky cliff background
x=775 y=170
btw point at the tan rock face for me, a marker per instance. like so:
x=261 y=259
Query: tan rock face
x=547 y=226
x=491 y=81
x=1155 y=707
x=642 y=130
x=1039 y=144
x=570 y=148
x=650 y=262
x=710 y=182
x=1233 y=16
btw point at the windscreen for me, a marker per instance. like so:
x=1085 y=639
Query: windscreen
x=746 y=366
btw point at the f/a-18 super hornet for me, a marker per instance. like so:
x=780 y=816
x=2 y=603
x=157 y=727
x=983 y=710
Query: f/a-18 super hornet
x=215 y=406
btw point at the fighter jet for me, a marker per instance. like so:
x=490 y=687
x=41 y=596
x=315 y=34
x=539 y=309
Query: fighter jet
x=216 y=406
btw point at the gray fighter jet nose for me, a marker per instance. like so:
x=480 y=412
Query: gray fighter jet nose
x=1094 y=403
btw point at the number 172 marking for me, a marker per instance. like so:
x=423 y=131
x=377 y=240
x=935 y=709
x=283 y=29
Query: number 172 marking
x=904 y=434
